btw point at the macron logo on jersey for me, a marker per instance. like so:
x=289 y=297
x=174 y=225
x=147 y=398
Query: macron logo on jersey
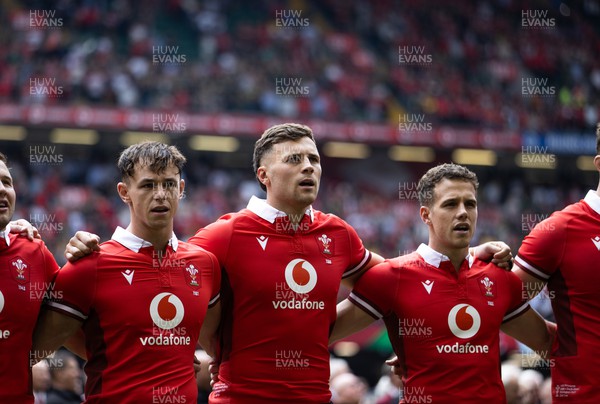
x=128 y=274
x=428 y=285
x=596 y=241
x=262 y=240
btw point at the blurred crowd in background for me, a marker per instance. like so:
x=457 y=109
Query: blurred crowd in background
x=473 y=58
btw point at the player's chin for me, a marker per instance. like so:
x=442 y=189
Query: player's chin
x=462 y=241
x=307 y=197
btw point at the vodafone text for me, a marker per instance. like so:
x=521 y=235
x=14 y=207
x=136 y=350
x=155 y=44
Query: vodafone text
x=166 y=339
x=462 y=348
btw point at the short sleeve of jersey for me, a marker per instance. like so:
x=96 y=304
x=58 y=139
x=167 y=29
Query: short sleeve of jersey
x=542 y=250
x=359 y=255
x=370 y=296
x=215 y=238
x=216 y=284
x=518 y=300
x=75 y=287
x=50 y=266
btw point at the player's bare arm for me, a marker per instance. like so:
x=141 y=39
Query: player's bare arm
x=532 y=330
x=208 y=332
x=81 y=244
x=76 y=344
x=350 y=319
x=52 y=330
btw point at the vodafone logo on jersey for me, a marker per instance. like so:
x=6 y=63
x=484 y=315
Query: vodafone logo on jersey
x=4 y=334
x=464 y=321
x=300 y=279
x=300 y=276
x=166 y=310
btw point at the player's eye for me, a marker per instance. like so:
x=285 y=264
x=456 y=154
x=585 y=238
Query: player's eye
x=294 y=159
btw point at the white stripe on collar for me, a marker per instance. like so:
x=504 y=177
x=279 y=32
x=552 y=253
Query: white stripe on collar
x=593 y=199
x=435 y=258
x=134 y=243
x=4 y=234
x=262 y=209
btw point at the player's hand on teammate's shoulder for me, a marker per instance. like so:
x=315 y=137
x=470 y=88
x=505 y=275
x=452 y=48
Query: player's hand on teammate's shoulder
x=496 y=252
x=25 y=229
x=81 y=244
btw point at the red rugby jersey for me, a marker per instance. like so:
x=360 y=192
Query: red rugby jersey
x=279 y=296
x=141 y=317
x=27 y=269
x=564 y=251
x=444 y=326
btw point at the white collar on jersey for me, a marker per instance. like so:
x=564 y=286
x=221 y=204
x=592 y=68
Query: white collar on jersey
x=4 y=234
x=435 y=258
x=262 y=209
x=134 y=243
x=593 y=200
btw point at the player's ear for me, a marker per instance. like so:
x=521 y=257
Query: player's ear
x=597 y=162
x=261 y=174
x=424 y=213
x=181 y=188
x=123 y=192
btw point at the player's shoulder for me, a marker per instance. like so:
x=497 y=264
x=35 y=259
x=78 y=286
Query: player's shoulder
x=570 y=212
x=24 y=244
x=112 y=247
x=229 y=220
x=194 y=250
x=28 y=251
x=481 y=269
x=111 y=251
x=328 y=219
x=408 y=262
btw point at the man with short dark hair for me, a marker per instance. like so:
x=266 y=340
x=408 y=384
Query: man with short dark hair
x=141 y=299
x=443 y=308
x=27 y=269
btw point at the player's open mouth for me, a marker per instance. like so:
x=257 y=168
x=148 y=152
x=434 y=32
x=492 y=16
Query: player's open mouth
x=462 y=227
x=3 y=205
x=307 y=183
x=160 y=209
